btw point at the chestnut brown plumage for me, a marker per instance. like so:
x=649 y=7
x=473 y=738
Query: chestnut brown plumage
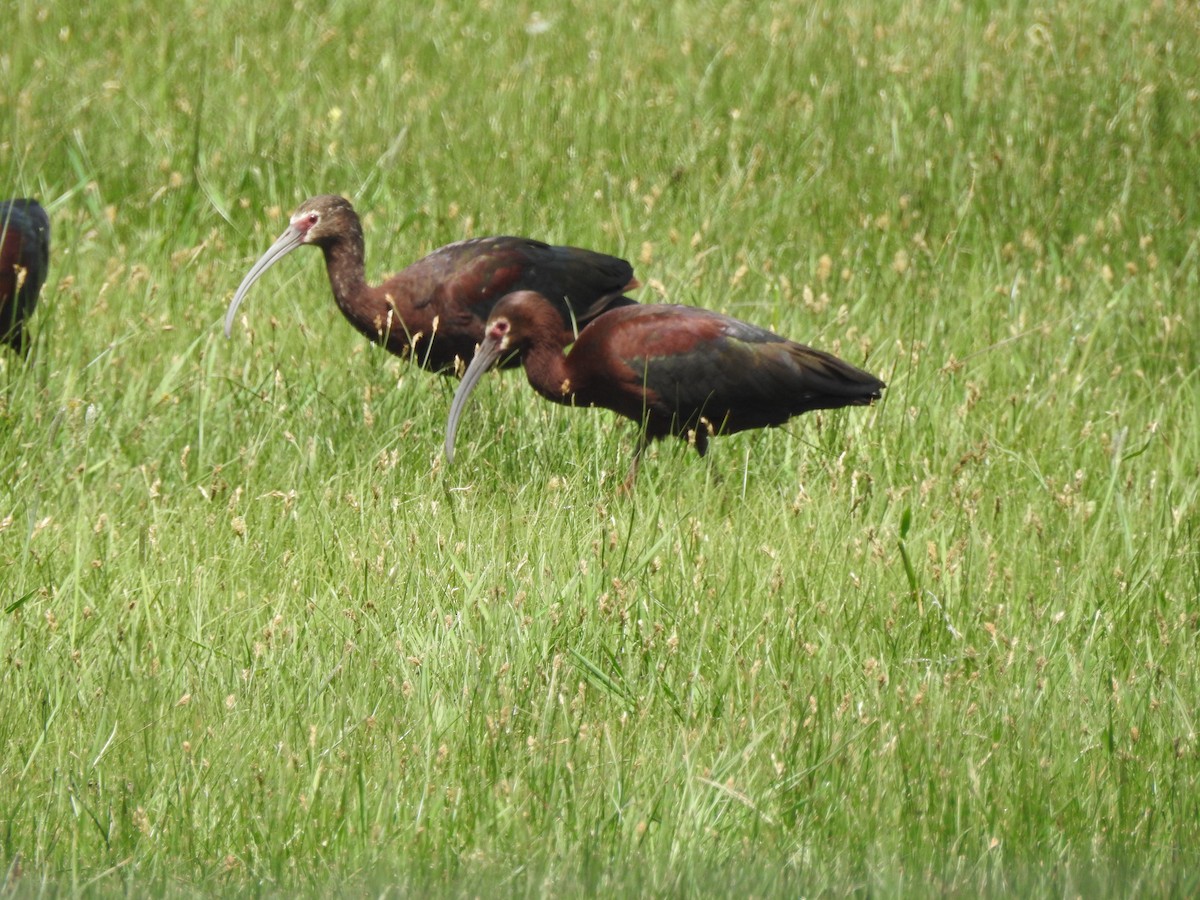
x=434 y=310
x=675 y=370
x=24 y=260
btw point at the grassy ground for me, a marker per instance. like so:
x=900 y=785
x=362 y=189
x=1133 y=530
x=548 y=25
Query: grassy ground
x=255 y=637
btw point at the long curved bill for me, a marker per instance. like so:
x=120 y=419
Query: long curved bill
x=287 y=242
x=486 y=356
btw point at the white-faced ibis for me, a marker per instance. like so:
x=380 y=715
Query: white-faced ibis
x=434 y=311
x=24 y=259
x=675 y=370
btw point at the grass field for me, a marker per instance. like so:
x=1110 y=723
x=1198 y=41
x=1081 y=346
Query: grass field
x=256 y=638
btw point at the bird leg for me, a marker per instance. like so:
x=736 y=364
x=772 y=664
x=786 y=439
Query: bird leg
x=627 y=486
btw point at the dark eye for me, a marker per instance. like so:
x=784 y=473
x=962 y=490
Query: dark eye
x=313 y=218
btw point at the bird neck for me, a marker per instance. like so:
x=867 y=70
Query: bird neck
x=546 y=368
x=344 y=263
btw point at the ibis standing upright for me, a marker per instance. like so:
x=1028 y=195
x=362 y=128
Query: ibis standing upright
x=434 y=311
x=675 y=370
x=24 y=259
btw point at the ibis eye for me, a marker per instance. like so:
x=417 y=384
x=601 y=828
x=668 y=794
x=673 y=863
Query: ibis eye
x=313 y=218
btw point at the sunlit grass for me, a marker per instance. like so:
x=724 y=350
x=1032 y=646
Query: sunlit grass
x=257 y=637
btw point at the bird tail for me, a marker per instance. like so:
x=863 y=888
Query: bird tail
x=831 y=383
x=607 y=302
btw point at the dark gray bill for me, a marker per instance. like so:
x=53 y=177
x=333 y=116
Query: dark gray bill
x=486 y=356
x=288 y=241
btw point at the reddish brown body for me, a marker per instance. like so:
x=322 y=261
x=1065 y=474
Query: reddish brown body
x=434 y=310
x=24 y=261
x=675 y=370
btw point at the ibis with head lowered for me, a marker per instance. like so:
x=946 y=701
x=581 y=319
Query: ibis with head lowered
x=675 y=370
